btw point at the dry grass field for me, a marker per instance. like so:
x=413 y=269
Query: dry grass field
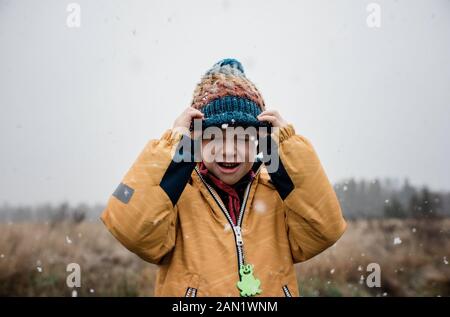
x=413 y=256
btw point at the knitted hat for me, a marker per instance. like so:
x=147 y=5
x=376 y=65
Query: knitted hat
x=226 y=96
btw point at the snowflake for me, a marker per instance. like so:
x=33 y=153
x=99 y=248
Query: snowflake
x=397 y=240
x=68 y=240
x=225 y=125
x=445 y=260
x=387 y=201
x=39 y=269
x=345 y=188
x=91 y=290
x=259 y=206
x=332 y=271
x=360 y=268
x=414 y=230
x=2 y=255
x=361 y=280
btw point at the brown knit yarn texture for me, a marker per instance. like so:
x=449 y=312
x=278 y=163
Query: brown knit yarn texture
x=217 y=85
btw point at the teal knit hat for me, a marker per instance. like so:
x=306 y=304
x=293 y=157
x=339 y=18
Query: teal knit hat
x=226 y=96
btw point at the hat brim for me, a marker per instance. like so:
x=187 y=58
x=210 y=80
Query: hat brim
x=234 y=118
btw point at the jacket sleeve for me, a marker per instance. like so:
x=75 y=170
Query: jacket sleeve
x=142 y=212
x=313 y=215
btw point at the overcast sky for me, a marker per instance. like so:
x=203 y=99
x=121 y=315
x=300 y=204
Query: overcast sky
x=79 y=104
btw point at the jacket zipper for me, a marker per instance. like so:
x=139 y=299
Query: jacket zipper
x=236 y=228
x=286 y=291
x=191 y=292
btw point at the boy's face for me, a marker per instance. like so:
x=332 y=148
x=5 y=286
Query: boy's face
x=229 y=159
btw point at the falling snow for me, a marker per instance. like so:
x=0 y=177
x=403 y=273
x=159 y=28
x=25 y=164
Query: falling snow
x=39 y=269
x=91 y=290
x=259 y=206
x=361 y=280
x=260 y=156
x=225 y=125
x=332 y=271
x=397 y=240
x=68 y=240
x=445 y=260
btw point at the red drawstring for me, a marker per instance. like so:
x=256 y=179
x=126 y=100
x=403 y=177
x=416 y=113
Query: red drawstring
x=234 y=203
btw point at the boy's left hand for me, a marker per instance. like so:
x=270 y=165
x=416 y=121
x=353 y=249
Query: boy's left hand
x=273 y=117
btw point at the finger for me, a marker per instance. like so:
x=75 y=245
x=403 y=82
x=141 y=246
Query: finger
x=272 y=112
x=194 y=113
x=197 y=116
x=270 y=118
x=192 y=109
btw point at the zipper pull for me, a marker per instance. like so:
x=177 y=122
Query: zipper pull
x=238 y=234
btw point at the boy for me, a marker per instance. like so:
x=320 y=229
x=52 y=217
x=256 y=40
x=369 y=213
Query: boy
x=227 y=224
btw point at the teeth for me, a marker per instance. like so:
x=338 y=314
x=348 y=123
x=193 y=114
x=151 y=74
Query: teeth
x=229 y=164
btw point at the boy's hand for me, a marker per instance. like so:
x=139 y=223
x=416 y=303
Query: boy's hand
x=183 y=122
x=273 y=117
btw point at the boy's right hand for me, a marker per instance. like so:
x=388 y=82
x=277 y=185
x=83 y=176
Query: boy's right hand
x=183 y=122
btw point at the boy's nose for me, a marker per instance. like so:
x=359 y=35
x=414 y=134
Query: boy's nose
x=229 y=155
x=229 y=152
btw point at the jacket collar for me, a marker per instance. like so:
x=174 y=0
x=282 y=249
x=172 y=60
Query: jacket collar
x=216 y=210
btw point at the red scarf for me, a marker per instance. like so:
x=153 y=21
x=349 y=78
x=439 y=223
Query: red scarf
x=234 y=203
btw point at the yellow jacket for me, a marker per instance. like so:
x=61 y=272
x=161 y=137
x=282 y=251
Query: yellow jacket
x=163 y=212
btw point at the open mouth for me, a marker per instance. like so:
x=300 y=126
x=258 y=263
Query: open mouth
x=228 y=167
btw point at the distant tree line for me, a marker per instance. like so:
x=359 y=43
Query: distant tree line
x=52 y=213
x=386 y=198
